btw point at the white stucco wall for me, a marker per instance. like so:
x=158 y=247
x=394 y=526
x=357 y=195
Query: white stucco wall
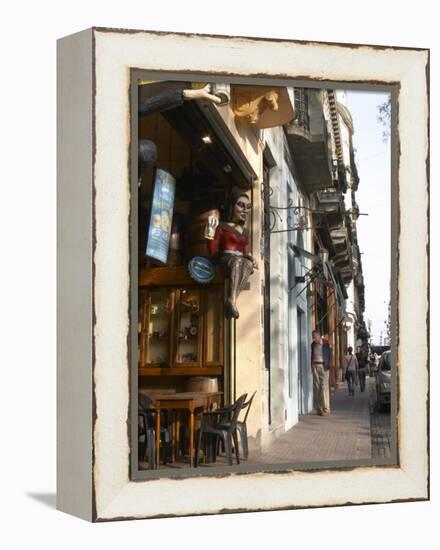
x=285 y=364
x=350 y=306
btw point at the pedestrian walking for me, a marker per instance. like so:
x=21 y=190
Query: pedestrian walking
x=362 y=360
x=321 y=353
x=351 y=370
x=344 y=368
x=375 y=364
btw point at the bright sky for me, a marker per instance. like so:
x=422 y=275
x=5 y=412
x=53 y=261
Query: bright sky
x=373 y=160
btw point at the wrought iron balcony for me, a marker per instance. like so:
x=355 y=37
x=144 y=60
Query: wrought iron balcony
x=309 y=142
x=302 y=118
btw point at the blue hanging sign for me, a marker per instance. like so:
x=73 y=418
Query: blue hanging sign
x=161 y=216
x=201 y=269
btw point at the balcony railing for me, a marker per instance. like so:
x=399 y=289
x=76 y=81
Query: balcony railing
x=302 y=118
x=309 y=142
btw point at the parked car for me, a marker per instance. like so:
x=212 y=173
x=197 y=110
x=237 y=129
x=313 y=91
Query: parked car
x=383 y=381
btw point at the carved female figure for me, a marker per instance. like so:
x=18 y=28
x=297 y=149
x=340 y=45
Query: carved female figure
x=231 y=245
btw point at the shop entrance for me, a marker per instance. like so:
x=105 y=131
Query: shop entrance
x=182 y=344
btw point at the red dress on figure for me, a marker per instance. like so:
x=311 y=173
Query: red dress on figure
x=235 y=262
x=228 y=238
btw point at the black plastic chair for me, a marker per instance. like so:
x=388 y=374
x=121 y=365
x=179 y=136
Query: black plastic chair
x=220 y=425
x=147 y=436
x=147 y=431
x=242 y=429
x=148 y=441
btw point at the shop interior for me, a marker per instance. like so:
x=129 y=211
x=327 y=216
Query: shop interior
x=181 y=326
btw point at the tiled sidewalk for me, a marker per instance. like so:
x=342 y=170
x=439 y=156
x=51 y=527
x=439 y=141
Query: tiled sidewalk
x=343 y=435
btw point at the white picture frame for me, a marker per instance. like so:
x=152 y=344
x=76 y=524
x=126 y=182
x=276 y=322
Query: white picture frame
x=94 y=68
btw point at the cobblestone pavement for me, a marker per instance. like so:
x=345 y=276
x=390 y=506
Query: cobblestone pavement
x=380 y=428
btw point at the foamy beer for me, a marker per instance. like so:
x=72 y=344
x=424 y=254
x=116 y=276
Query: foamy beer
x=210 y=227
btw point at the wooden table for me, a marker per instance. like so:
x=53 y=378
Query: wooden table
x=187 y=401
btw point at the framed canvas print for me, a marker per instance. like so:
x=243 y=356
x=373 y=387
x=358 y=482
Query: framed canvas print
x=242 y=274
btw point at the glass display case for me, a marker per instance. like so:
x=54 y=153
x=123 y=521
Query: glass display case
x=180 y=327
x=155 y=324
x=188 y=327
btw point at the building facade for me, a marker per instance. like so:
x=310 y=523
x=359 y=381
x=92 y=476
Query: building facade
x=290 y=150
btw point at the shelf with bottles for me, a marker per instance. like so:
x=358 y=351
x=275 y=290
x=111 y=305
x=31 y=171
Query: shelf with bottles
x=188 y=348
x=155 y=320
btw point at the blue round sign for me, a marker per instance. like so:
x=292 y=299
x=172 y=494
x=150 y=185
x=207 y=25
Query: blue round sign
x=201 y=269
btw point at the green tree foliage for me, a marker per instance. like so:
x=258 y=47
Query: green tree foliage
x=384 y=117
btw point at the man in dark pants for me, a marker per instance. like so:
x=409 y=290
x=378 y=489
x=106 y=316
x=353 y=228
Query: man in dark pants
x=351 y=370
x=363 y=367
